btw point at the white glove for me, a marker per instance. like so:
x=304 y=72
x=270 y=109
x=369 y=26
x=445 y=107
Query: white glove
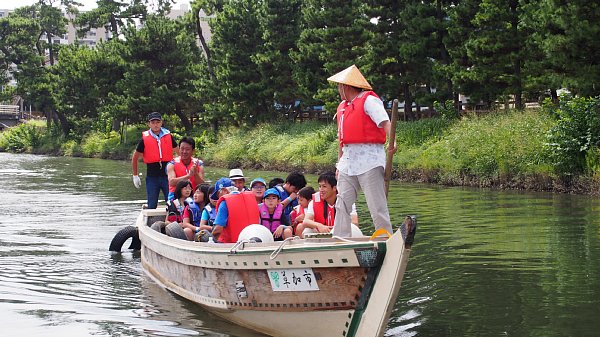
x=137 y=182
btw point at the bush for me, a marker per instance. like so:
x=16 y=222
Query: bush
x=447 y=110
x=574 y=140
x=23 y=138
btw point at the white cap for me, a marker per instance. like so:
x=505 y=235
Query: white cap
x=235 y=174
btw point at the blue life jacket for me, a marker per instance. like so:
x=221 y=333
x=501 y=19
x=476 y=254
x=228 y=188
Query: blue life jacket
x=284 y=194
x=212 y=214
x=196 y=213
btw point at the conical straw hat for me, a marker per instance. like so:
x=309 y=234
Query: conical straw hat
x=351 y=76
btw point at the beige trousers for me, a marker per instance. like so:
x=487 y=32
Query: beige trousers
x=373 y=185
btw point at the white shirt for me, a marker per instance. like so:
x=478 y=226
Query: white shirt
x=311 y=209
x=359 y=158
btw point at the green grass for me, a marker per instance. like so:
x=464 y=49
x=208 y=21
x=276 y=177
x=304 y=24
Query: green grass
x=492 y=147
x=310 y=146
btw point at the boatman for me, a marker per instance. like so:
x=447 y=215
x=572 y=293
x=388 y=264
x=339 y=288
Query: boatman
x=185 y=167
x=156 y=148
x=363 y=125
x=235 y=211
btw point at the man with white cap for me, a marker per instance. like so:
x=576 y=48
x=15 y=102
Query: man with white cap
x=363 y=125
x=237 y=176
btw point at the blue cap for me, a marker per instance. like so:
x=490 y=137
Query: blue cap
x=221 y=183
x=272 y=191
x=258 y=180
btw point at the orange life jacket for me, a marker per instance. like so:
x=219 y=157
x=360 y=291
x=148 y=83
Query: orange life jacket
x=152 y=152
x=180 y=170
x=323 y=213
x=243 y=211
x=354 y=125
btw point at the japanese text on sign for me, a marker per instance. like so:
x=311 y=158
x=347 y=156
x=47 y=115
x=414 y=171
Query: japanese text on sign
x=293 y=279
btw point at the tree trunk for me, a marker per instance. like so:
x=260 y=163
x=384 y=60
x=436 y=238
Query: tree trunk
x=114 y=27
x=64 y=123
x=554 y=96
x=518 y=85
x=50 y=48
x=215 y=125
x=444 y=55
x=407 y=101
x=185 y=121
x=204 y=44
x=116 y=125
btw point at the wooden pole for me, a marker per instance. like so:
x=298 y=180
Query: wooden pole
x=392 y=140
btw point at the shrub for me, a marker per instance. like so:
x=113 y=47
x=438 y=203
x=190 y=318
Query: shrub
x=447 y=110
x=23 y=137
x=572 y=142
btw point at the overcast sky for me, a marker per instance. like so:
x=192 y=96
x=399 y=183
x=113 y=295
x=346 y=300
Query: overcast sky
x=87 y=4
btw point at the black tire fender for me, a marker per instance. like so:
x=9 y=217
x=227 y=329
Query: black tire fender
x=159 y=226
x=174 y=230
x=129 y=232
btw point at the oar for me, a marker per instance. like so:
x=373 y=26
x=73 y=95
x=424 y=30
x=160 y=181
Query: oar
x=392 y=140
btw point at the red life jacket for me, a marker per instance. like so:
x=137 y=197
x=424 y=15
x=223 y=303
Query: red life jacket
x=271 y=221
x=243 y=211
x=298 y=211
x=180 y=170
x=354 y=125
x=323 y=213
x=152 y=152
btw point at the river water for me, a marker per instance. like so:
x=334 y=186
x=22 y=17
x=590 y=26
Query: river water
x=484 y=263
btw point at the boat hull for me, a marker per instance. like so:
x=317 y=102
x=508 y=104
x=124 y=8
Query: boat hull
x=336 y=287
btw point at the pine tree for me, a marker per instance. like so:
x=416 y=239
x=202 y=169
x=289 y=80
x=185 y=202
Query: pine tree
x=333 y=38
x=236 y=38
x=403 y=48
x=280 y=22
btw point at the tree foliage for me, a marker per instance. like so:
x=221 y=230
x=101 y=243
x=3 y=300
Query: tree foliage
x=265 y=52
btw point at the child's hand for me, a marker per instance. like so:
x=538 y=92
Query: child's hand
x=323 y=229
x=278 y=231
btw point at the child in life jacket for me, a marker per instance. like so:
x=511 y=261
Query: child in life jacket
x=192 y=214
x=175 y=207
x=304 y=198
x=272 y=216
x=209 y=213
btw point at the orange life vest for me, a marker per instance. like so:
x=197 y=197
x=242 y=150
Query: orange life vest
x=354 y=125
x=152 y=152
x=243 y=211
x=323 y=213
x=180 y=170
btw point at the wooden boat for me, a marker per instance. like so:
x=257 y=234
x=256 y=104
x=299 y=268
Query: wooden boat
x=294 y=288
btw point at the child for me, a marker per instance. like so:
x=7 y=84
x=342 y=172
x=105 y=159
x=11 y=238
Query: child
x=193 y=212
x=209 y=213
x=297 y=215
x=176 y=206
x=272 y=216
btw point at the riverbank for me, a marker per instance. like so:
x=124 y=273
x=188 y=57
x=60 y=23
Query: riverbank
x=507 y=150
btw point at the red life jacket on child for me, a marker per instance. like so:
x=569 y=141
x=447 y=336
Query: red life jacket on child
x=354 y=125
x=323 y=213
